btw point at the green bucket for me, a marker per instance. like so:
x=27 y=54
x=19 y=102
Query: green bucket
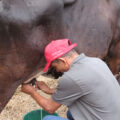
x=37 y=115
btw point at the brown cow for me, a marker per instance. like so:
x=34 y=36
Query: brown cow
x=26 y=26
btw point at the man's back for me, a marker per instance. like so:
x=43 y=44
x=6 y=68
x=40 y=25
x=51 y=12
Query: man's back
x=93 y=92
x=101 y=91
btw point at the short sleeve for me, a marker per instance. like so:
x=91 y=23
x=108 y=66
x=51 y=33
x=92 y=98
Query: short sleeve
x=67 y=91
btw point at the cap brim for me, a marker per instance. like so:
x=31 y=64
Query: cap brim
x=46 y=67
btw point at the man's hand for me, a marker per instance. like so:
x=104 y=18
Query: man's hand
x=28 y=89
x=48 y=104
x=43 y=86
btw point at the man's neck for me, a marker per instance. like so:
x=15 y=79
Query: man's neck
x=70 y=61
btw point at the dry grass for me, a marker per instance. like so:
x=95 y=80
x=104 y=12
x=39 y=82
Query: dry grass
x=21 y=103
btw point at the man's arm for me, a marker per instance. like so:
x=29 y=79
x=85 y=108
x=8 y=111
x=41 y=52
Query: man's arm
x=48 y=104
x=44 y=87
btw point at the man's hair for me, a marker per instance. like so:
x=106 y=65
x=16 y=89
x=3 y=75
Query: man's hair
x=68 y=54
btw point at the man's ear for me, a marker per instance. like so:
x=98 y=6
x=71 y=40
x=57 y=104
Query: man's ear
x=62 y=60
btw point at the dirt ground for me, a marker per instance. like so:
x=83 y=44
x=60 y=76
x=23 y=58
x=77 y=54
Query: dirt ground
x=21 y=103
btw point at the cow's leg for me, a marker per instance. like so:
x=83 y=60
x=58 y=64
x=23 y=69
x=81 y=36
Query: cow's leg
x=113 y=57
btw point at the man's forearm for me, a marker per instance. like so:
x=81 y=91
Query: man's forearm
x=45 y=88
x=43 y=102
x=50 y=91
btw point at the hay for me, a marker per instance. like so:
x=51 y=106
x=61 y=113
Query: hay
x=21 y=103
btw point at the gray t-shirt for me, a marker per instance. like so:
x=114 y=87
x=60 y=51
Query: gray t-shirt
x=90 y=90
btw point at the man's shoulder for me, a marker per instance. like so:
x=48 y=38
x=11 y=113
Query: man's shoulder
x=66 y=79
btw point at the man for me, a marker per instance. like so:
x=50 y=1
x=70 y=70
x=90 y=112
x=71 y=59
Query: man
x=87 y=87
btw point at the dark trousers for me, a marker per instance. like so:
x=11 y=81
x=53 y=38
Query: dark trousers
x=69 y=116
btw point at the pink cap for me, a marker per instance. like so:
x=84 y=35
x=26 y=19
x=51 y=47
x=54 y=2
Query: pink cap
x=56 y=49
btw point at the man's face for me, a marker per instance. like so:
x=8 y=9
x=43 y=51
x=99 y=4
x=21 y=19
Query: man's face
x=60 y=66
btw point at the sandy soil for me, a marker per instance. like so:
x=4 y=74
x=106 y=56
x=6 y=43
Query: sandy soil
x=21 y=103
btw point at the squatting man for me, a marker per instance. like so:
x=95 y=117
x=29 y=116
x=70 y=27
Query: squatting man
x=87 y=87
